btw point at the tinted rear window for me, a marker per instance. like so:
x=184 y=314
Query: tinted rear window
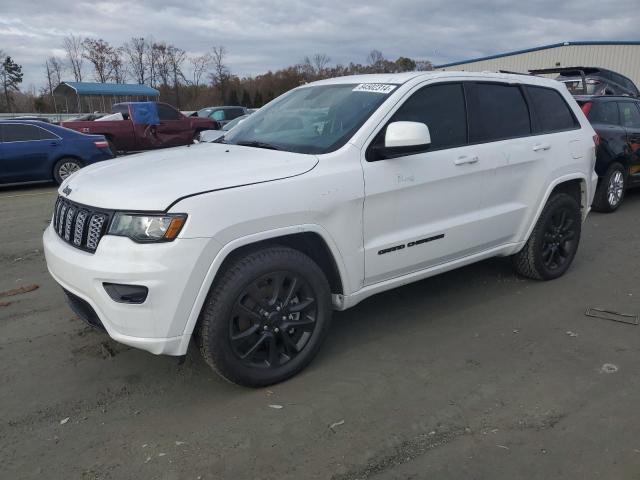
x=552 y=112
x=497 y=112
x=604 y=113
x=24 y=133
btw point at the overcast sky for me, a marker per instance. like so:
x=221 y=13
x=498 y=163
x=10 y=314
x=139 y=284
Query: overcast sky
x=269 y=34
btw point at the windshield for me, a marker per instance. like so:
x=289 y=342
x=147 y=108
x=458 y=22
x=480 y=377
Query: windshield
x=312 y=120
x=234 y=122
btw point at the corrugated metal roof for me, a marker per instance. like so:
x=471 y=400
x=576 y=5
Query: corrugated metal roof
x=118 y=89
x=535 y=49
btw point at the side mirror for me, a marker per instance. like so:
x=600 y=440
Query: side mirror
x=403 y=138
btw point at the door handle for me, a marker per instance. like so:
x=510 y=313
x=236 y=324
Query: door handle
x=464 y=160
x=53 y=144
x=541 y=146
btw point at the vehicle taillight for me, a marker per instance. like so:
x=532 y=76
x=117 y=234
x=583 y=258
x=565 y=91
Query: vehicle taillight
x=586 y=108
x=101 y=144
x=596 y=139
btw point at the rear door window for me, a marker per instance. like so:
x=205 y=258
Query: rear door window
x=551 y=110
x=165 y=112
x=442 y=108
x=497 y=112
x=24 y=133
x=604 y=113
x=629 y=114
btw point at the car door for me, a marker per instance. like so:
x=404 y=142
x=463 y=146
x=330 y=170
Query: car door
x=426 y=209
x=174 y=128
x=26 y=153
x=630 y=118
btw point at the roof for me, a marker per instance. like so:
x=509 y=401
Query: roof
x=535 y=49
x=118 y=89
x=402 y=78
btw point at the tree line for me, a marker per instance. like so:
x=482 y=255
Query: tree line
x=188 y=81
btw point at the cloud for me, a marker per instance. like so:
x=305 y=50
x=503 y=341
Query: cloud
x=266 y=35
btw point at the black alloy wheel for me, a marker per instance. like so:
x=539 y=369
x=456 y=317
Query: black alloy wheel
x=273 y=319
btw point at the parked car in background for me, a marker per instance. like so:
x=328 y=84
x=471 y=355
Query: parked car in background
x=213 y=135
x=592 y=81
x=336 y=191
x=222 y=115
x=145 y=126
x=88 y=117
x=617 y=123
x=32 y=151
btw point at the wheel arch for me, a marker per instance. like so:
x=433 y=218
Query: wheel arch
x=311 y=240
x=575 y=185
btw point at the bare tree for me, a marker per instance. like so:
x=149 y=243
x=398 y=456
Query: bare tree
x=100 y=54
x=53 y=69
x=199 y=66
x=118 y=67
x=73 y=46
x=135 y=51
x=176 y=57
x=424 y=65
x=220 y=75
x=162 y=63
x=376 y=60
x=320 y=62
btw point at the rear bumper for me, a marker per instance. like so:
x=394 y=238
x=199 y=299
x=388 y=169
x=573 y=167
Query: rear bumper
x=172 y=271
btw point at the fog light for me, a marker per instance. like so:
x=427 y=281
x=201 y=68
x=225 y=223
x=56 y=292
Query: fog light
x=126 y=293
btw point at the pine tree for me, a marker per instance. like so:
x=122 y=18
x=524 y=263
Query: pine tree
x=11 y=78
x=233 y=98
x=257 y=100
x=246 y=99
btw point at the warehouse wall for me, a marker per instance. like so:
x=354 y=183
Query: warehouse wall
x=624 y=59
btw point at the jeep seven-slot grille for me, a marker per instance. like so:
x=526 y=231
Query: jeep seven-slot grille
x=78 y=225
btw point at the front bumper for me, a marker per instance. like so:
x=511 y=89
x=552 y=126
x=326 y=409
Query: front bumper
x=172 y=271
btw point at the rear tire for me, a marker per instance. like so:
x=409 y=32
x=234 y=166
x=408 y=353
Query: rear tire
x=64 y=168
x=265 y=317
x=554 y=241
x=610 y=190
x=112 y=147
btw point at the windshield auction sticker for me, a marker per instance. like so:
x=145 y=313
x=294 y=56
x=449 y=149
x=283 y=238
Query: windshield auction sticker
x=383 y=88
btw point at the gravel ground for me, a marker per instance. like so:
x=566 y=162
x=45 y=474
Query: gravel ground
x=473 y=374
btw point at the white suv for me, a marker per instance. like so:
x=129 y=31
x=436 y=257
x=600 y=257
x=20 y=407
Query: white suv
x=333 y=192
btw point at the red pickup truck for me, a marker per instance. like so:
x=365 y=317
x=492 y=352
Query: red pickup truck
x=144 y=126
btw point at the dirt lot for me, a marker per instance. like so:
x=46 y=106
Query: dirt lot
x=473 y=374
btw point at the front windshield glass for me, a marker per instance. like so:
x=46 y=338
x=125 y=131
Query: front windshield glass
x=312 y=120
x=234 y=122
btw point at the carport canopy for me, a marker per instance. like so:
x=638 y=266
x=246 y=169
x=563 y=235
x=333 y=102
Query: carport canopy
x=80 y=97
x=106 y=89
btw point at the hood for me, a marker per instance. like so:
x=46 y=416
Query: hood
x=154 y=180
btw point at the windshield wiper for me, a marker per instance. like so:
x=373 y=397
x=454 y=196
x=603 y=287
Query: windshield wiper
x=255 y=143
x=219 y=140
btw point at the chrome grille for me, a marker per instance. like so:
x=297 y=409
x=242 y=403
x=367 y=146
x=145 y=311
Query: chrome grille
x=78 y=225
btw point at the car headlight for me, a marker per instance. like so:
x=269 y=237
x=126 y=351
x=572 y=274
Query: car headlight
x=145 y=228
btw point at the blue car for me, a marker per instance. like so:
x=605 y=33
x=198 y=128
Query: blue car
x=33 y=151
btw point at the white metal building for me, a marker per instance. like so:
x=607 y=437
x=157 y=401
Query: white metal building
x=621 y=57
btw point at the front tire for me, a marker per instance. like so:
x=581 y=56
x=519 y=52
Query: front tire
x=554 y=241
x=64 y=168
x=610 y=190
x=265 y=317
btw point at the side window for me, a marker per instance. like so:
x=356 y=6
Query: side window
x=497 y=112
x=629 y=114
x=218 y=116
x=442 y=109
x=165 y=112
x=24 y=133
x=551 y=110
x=604 y=112
x=233 y=113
